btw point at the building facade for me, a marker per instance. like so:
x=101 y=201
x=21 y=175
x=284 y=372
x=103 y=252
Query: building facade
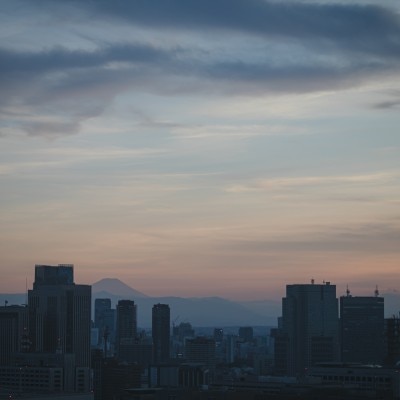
x=362 y=329
x=126 y=328
x=161 y=333
x=13 y=331
x=392 y=341
x=104 y=321
x=59 y=313
x=201 y=350
x=309 y=332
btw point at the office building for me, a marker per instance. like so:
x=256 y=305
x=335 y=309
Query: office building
x=354 y=381
x=126 y=328
x=13 y=332
x=161 y=333
x=59 y=313
x=46 y=275
x=309 y=333
x=362 y=329
x=111 y=378
x=392 y=341
x=200 y=350
x=104 y=321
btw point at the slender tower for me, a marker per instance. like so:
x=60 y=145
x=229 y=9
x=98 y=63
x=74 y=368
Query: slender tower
x=161 y=332
x=126 y=328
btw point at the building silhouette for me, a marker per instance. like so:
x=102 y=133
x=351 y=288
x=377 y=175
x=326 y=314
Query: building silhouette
x=53 y=355
x=104 y=321
x=126 y=329
x=161 y=333
x=112 y=377
x=392 y=341
x=13 y=332
x=182 y=331
x=59 y=313
x=201 y=350
x=362 y=329
x=246 y=333
x=218 y=335
x=309 y=331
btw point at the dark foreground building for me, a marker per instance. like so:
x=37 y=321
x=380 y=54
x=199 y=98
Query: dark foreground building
x=362 y=329
x=309 y=329
x=161 y=333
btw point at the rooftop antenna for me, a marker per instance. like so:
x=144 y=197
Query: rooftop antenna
x=376 y=291
x=347 y=291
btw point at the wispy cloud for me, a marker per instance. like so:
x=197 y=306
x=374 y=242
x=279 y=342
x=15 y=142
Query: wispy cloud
x=284 y=183
x=374 y=237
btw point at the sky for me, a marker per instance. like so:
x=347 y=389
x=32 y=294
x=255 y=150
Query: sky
x=201 y=148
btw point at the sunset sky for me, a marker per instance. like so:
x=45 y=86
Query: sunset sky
x=201 y=147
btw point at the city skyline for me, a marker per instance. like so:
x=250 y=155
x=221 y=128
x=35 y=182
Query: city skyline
x=214 y=148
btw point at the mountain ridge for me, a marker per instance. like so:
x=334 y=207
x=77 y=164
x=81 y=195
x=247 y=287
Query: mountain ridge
x=115 y=286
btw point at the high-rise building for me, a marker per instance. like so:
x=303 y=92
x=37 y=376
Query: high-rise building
x=126 y=329
x=104 y=321
x=161 y=332
x=13 y=331
x=46 y=275
x=392 y=341
x=362 y=329
x=309 y=333
x=59 y=313
x=100 y=305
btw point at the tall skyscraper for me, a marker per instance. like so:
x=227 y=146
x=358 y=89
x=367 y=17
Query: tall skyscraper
x=161 y=332
x=362 y=329
x=59 y=313
x=126 y=329
x=310 y=331
x=104 y=321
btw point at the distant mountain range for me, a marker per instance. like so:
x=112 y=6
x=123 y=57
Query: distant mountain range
x=116 y=287
x=201 y=311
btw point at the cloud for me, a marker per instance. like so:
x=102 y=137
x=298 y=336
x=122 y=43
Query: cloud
x=375 y=238
x=364 y=28
x=287 y=183
x=394 y=103
x=56 y=90
x=390 y=104
x=272 y=47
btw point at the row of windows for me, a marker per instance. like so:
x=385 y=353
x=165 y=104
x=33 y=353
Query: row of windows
x=26 y=376
x=356 y=378
x=34 y=384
